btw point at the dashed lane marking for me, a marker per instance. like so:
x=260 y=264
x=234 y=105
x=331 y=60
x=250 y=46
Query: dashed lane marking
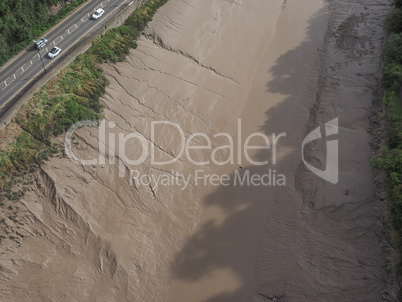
x=85 y=18
x=43 y=51
x=19 y=72
x=27 y=65
x=35 y=57
x=72 y=28
x=58 y=40
x=12 y=78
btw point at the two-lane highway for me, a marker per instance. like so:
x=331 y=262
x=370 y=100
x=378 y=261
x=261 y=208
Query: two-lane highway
x=29 y=65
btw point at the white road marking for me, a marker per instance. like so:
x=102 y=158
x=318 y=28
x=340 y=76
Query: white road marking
x=130 y=3
x=26 y=67
x=3 y=84
x=35 y=57
x=85 y=18
x=72 y=28
x=18 y=73
x=43 y=51
x=58 y=40
x=12 y=80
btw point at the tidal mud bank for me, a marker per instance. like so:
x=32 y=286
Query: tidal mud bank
x=234 y=67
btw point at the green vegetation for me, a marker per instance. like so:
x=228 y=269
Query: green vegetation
x=391 y=158
x=72 y=96
x=21 y=22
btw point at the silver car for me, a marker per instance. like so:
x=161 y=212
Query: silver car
x=39 y=44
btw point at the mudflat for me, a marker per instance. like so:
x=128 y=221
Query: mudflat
x=219 y=223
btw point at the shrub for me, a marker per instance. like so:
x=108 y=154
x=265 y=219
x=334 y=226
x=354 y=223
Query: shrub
x=393 y=49
x=392 y=76
x=391 y=159
x=393 y=21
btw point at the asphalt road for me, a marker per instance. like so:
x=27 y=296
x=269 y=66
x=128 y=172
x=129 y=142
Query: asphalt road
x=23 y=70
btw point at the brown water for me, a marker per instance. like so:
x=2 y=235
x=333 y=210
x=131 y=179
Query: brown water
x=272 y=66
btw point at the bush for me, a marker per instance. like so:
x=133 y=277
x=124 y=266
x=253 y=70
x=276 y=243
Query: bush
x=391 y=160
x=393 y=21
x=393 y=50
x=390 y=97
x=392 y=76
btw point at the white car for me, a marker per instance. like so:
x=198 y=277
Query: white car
x=97 y=14
x=54 y=52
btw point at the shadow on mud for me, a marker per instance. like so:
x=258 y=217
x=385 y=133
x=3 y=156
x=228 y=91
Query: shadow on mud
x=274 y=244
